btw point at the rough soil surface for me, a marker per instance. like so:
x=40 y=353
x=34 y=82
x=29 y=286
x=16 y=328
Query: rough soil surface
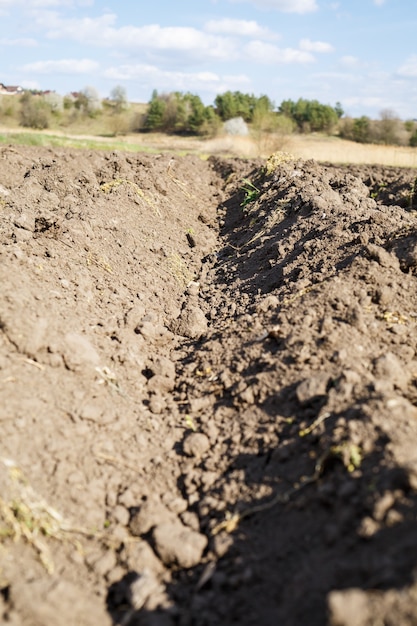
x=208 y=377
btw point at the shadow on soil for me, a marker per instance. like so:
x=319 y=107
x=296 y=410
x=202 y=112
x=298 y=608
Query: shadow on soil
x=329 y=521
x=285 y=558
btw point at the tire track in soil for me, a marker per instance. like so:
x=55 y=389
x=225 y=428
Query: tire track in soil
x=225 y=424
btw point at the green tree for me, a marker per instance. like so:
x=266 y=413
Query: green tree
x=212 y=122
x=339 y=110
x=413 y=139
x=197 y=115
x=287 y=108
x=226 y=106
x=177 y=112
x=361 y=129
x=155 y=115
x=311 y=115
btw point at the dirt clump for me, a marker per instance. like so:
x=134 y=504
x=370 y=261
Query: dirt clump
x=208 y=373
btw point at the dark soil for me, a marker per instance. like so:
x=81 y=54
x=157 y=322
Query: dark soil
x=208 y=375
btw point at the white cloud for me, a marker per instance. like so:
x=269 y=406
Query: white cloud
x=335 y=77
x=30 y=5
x=244 y=28
x=30 y=84
x=43 y=4
x=64 y=66
x=262 y=52
x=286 y=6
x=151 y=77
x=102 y=32
x=379 y=3
x=21 y=42
x=367 y=102
x=349 y=61
x=409 y=68
x=315 y=46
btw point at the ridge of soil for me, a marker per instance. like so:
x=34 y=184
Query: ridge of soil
x=208 y=375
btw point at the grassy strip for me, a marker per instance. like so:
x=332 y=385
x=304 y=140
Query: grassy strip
x=55 y=141
x=318 y=147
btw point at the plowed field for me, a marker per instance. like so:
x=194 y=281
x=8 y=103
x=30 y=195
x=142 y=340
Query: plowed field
x=208 y=380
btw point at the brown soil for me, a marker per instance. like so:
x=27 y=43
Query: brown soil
x=209 y=394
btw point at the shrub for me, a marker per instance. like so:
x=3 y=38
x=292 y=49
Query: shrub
x=388 y=129
x=236 y=126
x=55 y=101
x=34 y=112
x=413 y=139
x=356 y=129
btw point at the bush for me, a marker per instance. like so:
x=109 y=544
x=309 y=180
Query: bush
x=356 y=129
x=388 y=129
x=34 y=112
x=236 y=127
x=55 y=101
x=413 y=139
x=8 y=105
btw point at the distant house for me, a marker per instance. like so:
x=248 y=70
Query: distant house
x=10 y=90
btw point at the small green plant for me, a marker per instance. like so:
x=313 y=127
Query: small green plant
x=251 y=193
x=379 y=188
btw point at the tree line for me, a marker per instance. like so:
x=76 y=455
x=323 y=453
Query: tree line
x=178 y=112
x=185 y=113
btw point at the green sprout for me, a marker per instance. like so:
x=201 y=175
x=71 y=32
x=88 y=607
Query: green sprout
x=251 y=192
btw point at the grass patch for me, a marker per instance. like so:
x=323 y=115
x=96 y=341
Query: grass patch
x=114 y=184
x=25 y=515
x=319 y=147
x=179 y=270
x=336 y=150
x=57 y=141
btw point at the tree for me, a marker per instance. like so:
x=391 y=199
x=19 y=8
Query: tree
x=339 y=110
x=413 y=139
x=118 y=97
x=89 y=101
x=212 y=122
x=388 y=127
x=198 y=113
x=361 y=129
x=311 y=115
x=155 y=115
x=226 y=106
x=263 y=117
x=235 y=104
x=177 y=112
x=55 y=101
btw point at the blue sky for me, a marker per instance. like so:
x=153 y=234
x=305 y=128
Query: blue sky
x=362 y=53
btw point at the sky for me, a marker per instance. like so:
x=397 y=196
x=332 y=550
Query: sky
x=361 y=53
